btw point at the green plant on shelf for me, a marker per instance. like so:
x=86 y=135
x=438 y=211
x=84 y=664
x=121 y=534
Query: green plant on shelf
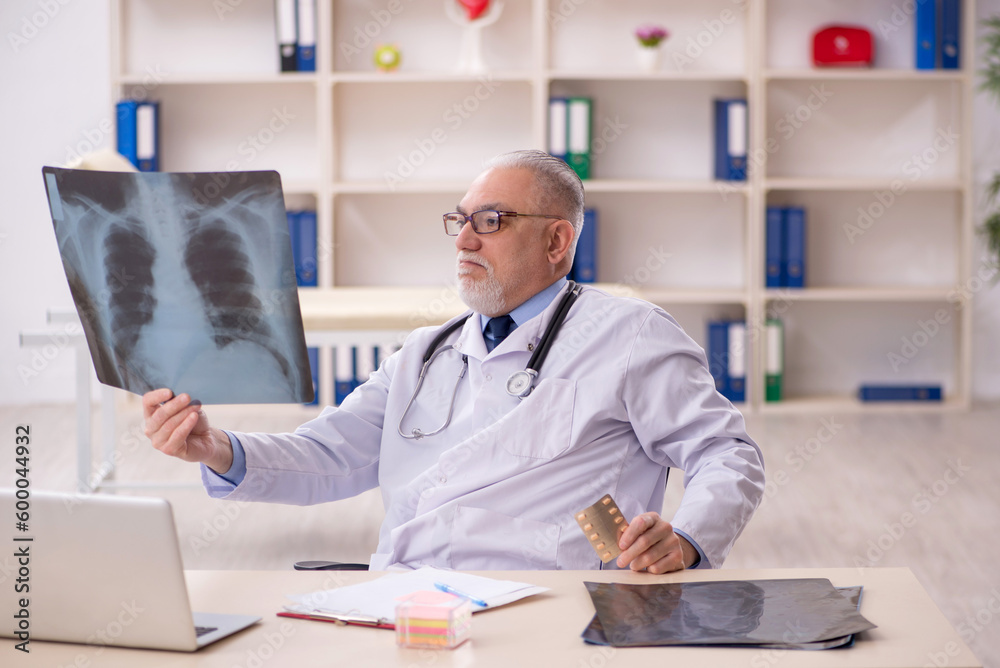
x=990 y=228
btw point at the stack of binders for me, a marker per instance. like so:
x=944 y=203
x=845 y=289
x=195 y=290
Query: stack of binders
x=938 y=34
x=569 y=132
x=727 y=358
x=295 y=24
x=785 y=247
x=139 y=134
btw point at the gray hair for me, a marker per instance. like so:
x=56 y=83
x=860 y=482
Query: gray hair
x=558 y=186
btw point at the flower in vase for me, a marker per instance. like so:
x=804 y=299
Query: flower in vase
x=650 y=36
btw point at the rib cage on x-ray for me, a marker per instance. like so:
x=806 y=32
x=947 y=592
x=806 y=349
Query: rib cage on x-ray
x=184 y=281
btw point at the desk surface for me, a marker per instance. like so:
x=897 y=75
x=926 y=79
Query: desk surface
x=539 y=631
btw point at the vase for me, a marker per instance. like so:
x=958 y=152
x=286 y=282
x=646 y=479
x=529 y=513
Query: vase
x=648 y=58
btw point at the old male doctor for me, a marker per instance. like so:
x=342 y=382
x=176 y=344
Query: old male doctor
x=475 y=478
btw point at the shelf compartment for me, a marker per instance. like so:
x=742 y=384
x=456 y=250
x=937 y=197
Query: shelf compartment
x=707 y=37
x=182 y=38
x=427 y=39
x=835 y=130
x=393 y=240
x=790 y=24
x=831 y=348
x=878 y=240
x=406 y=133
x=669 y=124
x=234 y=127
x=671 y=242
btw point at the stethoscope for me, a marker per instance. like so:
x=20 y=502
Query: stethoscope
x=519 y=383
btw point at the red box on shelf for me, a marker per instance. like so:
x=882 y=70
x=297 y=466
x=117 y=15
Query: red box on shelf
x=843 y=46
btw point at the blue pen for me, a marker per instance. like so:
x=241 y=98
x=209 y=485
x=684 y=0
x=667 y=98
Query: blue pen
x=451 y=590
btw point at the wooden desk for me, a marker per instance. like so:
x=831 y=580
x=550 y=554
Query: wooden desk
x=538 y=631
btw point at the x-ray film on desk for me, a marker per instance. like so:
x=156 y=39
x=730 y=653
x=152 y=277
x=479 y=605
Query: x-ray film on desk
x=185 y=281
x=805 y=613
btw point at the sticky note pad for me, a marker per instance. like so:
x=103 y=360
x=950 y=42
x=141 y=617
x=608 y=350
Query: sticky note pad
x=432 y=619
x=603 y=524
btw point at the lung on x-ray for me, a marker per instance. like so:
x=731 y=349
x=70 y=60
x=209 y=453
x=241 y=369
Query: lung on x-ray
x=184 y=281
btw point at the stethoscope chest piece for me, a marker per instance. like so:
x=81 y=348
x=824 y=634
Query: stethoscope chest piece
x=519 y=383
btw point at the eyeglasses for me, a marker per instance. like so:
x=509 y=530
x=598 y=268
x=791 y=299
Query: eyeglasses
x=483 y=222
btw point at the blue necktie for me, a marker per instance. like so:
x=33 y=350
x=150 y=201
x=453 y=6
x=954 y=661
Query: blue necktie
x=497 y=330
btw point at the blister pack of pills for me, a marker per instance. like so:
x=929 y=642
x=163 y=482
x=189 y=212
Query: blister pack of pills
x=603 y=525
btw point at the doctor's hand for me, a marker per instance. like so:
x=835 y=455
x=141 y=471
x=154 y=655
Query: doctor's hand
x=649 y=543
x=179 y=428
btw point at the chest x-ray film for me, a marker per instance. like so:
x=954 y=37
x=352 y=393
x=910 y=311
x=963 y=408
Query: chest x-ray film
x=184 y=281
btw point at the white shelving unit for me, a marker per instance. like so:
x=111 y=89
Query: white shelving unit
x=881 y=160
x=381 y=155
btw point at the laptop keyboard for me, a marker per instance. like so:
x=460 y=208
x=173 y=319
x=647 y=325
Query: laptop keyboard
x=202 y=630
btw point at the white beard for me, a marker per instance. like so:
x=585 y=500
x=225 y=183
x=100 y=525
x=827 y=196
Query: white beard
x=485 y=295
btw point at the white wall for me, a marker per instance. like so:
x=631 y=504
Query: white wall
x=55 y=87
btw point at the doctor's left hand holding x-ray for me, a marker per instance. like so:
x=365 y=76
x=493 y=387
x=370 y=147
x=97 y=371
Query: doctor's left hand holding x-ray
x=483 y=459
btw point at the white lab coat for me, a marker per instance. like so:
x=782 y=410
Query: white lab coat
x=623 y=394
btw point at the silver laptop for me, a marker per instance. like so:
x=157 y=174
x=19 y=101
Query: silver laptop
x=102 y=570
